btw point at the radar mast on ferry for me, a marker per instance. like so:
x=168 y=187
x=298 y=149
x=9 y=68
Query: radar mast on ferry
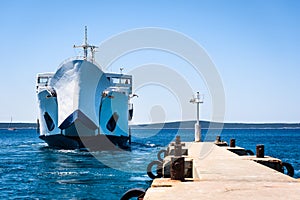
x=86 y=46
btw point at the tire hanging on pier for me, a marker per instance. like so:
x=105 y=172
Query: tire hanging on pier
x=134 y=192
x=158 y=169
x=249 y=152
x=159 y=155
x=289 y=168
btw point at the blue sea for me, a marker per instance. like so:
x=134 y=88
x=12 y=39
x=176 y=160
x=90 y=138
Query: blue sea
x=31 y=170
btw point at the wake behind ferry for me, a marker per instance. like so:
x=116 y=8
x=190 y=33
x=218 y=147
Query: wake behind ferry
x=81 y=106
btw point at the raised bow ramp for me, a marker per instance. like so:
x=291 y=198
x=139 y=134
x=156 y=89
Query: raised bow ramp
x=79 y=85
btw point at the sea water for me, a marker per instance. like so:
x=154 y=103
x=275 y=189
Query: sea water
x=31 y=170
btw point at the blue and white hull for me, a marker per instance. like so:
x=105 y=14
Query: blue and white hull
x=80 y=106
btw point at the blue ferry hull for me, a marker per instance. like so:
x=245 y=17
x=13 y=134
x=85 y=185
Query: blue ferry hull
x=92 y=143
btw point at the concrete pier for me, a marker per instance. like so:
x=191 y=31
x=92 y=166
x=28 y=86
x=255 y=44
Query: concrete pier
x=221 y=174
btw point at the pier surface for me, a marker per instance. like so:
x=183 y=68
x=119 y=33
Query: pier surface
x=221 y=174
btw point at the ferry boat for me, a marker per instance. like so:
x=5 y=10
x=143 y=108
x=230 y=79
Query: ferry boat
x=81 y=106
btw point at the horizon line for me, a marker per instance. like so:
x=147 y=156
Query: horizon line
x=149 y=123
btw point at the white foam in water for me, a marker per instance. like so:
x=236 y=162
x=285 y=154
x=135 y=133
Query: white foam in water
x=67 y=151
x=150 y=144
x=140 y=178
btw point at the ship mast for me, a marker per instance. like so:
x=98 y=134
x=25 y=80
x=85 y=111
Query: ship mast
x=86 y=46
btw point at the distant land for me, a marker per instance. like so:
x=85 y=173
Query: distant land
x=18 y=125
x=205 y=125
x=183 y=124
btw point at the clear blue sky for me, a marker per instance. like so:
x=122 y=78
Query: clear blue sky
x=255 y=46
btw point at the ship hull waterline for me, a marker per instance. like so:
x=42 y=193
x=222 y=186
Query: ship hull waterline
x=90 y=143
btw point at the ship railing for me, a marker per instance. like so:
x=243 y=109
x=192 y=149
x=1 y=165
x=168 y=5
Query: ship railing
x=125 y=90
x=120 y=80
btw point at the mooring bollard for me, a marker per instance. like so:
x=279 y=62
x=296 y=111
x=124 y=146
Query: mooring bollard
x=218 y=138
x=177 y=162
x=232 y=142
x=177 y=168
x=219 y=142
x=177 y=147
x=260 y=151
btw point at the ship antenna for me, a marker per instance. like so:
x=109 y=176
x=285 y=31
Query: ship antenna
x=86 y=46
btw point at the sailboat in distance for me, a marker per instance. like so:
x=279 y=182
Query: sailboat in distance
x=9 y=126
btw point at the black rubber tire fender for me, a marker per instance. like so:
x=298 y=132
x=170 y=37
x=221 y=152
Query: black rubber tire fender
x=249 y=152
x=158 y=169
x=289 y=168
x=159 y=155
x=134 y=192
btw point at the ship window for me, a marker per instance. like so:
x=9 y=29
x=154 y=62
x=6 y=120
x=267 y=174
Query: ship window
x=112 y=122
x=121 y=80
x=115 y=80
x=126 y=81
x=43 y=80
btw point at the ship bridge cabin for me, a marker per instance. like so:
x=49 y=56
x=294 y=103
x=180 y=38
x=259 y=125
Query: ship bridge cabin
x=120 y=82
x=43 y=80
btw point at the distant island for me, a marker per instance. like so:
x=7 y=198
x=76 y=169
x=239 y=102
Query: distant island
x=206 y=124
x=18 y=125
x=183 y=124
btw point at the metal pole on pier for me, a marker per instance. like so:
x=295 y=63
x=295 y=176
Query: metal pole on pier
x=197 y=100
